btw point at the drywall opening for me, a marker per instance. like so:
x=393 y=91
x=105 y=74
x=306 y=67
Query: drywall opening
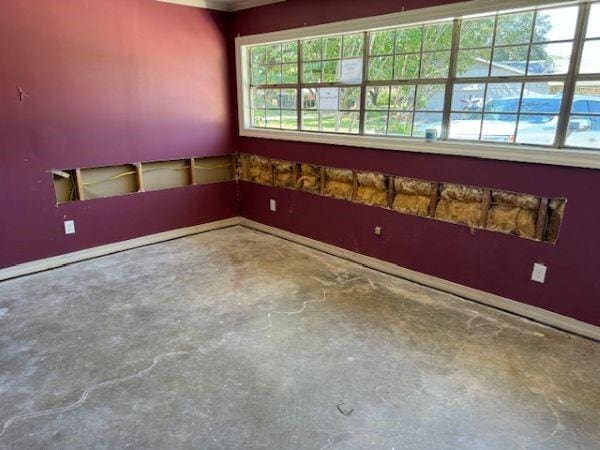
x=372 y=189
x=309 y=178
x=258 y=169
x=413 y=196
x=100 y=182
x=166 y=174
x=283 y=173
x=65 y=186
x=338 y=183
x=213 y=170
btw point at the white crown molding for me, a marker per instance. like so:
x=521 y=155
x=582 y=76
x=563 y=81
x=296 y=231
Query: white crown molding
x=222 y=5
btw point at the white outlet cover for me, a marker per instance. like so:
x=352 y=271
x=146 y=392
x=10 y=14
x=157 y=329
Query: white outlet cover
x=273 y=205
x=69 y=227
x=539 y=273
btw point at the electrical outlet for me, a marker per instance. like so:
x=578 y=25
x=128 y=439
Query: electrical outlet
x=273 y=205
x=539 y=273
x=69 y=227
x=378 y=231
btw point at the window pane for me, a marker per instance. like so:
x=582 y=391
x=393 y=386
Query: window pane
x=587 y=94
x=353 y=45
x=378 y=97
x=437 y=36
x=273 y=53
x=259 y=75
x=310 y=120
x=402 y=98
x=376 y=122
x=258 y=118
x=435 y=65
x=311 y=49
x=272 y=98
x=430 y=97
x=593 y=28
x=350 y=98
x=424 y=121
x=406 y=67
x=330 y=71
x=400 y=123
x=273 y=118
x=542 y=97
x=328 y=121
x=510 y=61
x=473 y=63
x=468 y=97
x=503 y=98
x=548 y=59
x=477 y=32
x=274 y=74
x=332 y=47
x=258 y=98
x=584 y=128
x=537 y=129
x=382 y=43
x=557 y=24
x=290 y=51
x=590 y=60
x=514 y=28
x=380 y=68
x=289 y=120
x=309 y=98
x=408 y=40
x=257 y=55
x=348 y=122
x=311 y=72
x=499 y=127
x=288 y=99
x=465 y=126
x=289 y=73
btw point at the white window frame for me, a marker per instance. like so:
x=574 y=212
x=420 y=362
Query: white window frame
x=509 y=152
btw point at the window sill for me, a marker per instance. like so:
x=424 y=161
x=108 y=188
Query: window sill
x=503 y=152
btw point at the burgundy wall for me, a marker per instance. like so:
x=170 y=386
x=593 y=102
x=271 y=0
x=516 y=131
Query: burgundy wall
x=490 y=261
x=107 y=82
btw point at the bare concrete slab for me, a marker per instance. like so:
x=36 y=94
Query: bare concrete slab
x=236 y=339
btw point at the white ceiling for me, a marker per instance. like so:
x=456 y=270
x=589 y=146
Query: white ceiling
x=223 y=5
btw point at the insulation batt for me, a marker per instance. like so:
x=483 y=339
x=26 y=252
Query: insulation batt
x=557 y=211
x=259 y=169
x=412 y=204
x=372 y=189
x=461 y=193
x=468 y=213
x=309 y=178
x=412 y=187
x=283 y=173
x=521 y=200
x=512 y=219
x=338 y=183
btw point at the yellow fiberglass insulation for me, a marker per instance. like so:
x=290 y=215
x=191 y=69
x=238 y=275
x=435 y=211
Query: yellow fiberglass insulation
x=283 y=173
x=338 y=183
x=461 y=193
x=410 y=186
x=468 y=213
x=412 y=204
x=412 y=197
x=372 y=189
x=308 y=179
x=259 y=169
x=555 y=217
x=513 y=213
x=512 y=219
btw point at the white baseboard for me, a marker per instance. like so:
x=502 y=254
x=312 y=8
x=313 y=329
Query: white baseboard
x=69 y=258
x=531 y=312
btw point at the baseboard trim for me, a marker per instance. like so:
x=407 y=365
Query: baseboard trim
x=530 y=312
x=94 y=252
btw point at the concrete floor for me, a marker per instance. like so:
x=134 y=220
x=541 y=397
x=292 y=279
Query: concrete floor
x=236 y=339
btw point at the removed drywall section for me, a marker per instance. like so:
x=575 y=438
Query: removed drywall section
x=513 y=213
x=309 y=178
x=166 y=174
x=338 y=183
x=213 y=170
x=460 y=204
x=259 y=169
x=100 y=182
x=65 y=186
x=283 y=173
x=372 y=189
x=412 y=196
x=556 y=208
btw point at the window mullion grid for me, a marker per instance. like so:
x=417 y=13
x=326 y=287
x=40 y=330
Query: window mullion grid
x=363 y=84
x=451 y=79
x=299 y=86
x=569 y=86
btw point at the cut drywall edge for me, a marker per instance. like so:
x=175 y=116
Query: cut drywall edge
x=530 y=312
x=94 y=252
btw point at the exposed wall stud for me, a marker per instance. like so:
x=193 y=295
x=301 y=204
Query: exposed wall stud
x=435 y=195
x=79 y=184
x=540 y=226
x=139 y=173
x=192 y=171
x=485 y=207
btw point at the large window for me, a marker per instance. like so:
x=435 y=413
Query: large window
x=526 y=76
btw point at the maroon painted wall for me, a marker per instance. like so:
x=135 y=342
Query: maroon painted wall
x=107 y=82
x=490 y=261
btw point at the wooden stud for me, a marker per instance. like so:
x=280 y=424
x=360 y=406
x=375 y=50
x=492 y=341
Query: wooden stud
x=192 y=171
x=139 y=174
x=485 y=207
x=294 y=175
x=542 y=219
x=435 y=195
x=354 y=185
x=322 y=179
x=79 y=185
x=391 y=192
x=272 y=167
x=244 y=167
x=233 y=168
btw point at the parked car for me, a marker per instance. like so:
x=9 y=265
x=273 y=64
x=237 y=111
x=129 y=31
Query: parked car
x=537 y=125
